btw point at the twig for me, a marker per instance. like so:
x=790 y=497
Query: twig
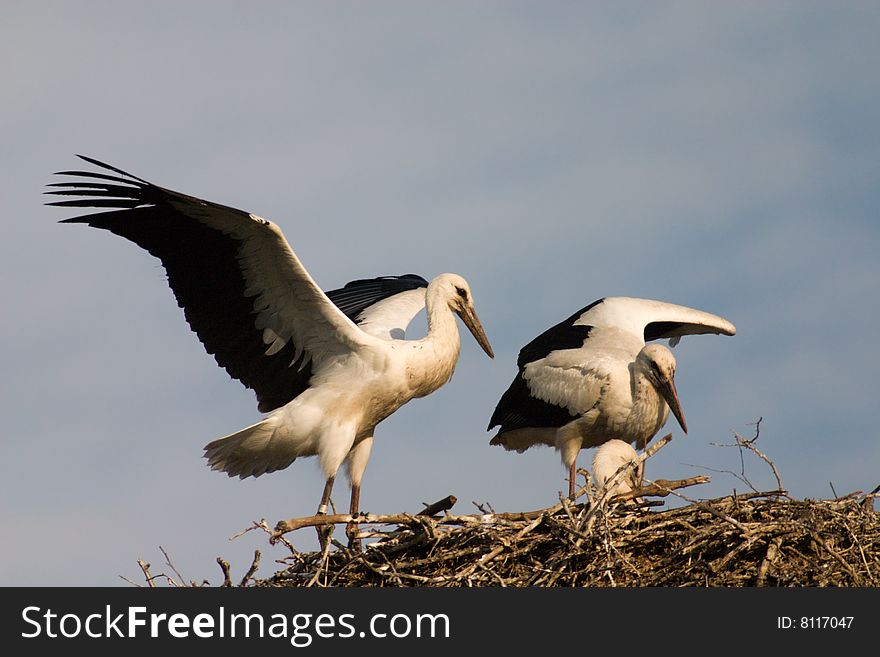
x=723 y=470
x=868 y=501
x=254 y=525
x=440 y=505
x=145 y=567
x=224 y=566
x=661 y=488
x=857 y=581
x=754 y=438
x=750 y=445
x=254 y=565
x=171 y=566
x=321 y=519
x=486 y=558
x=715 y=512
x=653 y=449
x=383 y=571
x=124 y=578
x=769 y=558
x=485 y=508
x=323 y=564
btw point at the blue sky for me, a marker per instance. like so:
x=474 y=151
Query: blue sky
x=721 y=156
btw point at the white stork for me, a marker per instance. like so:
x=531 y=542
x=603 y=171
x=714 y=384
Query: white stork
x=591 y=378
x=608 y=458
x=327 y=368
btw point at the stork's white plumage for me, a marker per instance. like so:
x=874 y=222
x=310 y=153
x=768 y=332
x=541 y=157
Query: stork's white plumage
x=591 y=378
x=608 y=459
x=327 y=373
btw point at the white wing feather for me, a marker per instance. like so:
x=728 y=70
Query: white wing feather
x=389 y=318
x=576 y=387
x=633 y=315
x=287 y=301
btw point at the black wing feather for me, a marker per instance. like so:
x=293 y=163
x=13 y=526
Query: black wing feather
x=204 y=275
x=517 y=408
x=98 y=202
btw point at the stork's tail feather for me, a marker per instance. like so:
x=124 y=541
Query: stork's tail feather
x=520 y=440
x=250 y=452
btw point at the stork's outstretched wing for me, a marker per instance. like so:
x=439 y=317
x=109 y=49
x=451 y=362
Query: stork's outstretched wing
x=242 y=288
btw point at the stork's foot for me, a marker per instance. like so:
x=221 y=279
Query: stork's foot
x=325 y=533
x=354 y=542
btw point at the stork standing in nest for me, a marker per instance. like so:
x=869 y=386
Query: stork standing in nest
x=591 y=378
x=326 y=374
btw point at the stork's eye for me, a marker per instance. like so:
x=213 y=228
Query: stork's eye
x=461 y=292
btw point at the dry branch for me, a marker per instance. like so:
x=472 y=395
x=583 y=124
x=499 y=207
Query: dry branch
x=662 y=488
x=224 y=566
x=439 y=506
x=254 y=565
x=145 y=568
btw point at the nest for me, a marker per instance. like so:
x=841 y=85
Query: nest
x=751 y=539
x=758 y=539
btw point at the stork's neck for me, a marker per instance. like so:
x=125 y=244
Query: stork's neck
x=649 y=409
x=433 y=359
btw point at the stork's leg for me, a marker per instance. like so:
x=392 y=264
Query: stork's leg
x=325 y=497
x=568 y=443
x=325 y=531
x=355 y=499
x=334 y=445
x=351 y=529
x=357 y=463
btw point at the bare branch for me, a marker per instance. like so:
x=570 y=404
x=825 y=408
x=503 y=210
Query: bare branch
x=254 y=565
x=439 y=506
x=171 y=566
x=750 y=445
x=661 y=488
x=145 y=567
x=224 y=566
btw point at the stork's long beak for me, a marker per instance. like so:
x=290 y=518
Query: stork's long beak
x=469 y=317
x=670 y=394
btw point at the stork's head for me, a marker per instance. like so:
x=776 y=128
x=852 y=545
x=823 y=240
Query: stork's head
x=455 y=291
x=658 y=365
x=608 y=459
